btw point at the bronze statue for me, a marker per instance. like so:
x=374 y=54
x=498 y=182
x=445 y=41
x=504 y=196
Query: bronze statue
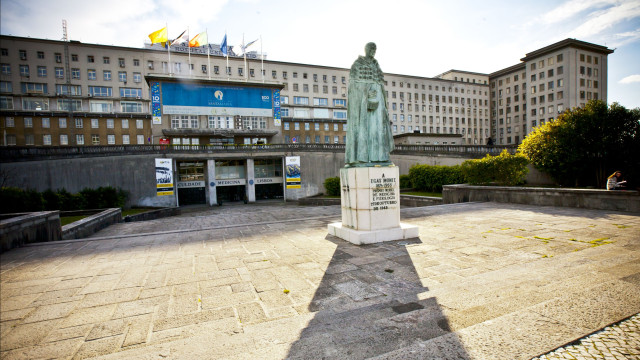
x=369 y=138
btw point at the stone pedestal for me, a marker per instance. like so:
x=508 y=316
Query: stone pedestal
x=370 y=202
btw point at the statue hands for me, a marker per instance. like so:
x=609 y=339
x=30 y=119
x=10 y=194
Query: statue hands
x=372 y=101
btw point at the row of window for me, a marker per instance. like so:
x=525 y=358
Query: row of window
x=440 y=130
x=218 y=122
x=444 y=120
x=74 y=90
x=316 y=126
x=79 y=123
x=304 y=113
x=443 y=88
x=549 y=98
x=92 y=74
x=79 y=139
x=22 y=54
x=42 y=104
x=303 y=100
x=307 y=139
x=550 y=61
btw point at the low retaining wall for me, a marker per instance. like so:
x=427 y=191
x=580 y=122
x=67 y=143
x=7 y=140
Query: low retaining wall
x=318 y=201
x=91 y=224
x=153 y=214
x=628 y=201
x=419 y=201
x=26 y=228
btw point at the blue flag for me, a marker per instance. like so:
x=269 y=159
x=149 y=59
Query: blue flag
x=223 y=46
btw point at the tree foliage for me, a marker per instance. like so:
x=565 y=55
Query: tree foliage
x=584 y=144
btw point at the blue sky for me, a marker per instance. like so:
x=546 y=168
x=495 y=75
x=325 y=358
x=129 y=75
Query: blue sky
x=414 y=37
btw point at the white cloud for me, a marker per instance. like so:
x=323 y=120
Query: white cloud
x=602 y=20
x=630 y=79
x=571 y=9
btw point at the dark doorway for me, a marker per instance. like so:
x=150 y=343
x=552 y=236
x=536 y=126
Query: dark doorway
x=268 y=191
x=191 y=196
x=231 y=193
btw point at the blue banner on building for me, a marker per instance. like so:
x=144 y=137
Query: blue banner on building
x=277 y=119
x=198 y=99
x=156 y=114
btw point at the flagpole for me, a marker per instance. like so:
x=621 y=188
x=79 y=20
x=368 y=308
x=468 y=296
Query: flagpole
x=261 y=60
x=227 y=69
x=244 y=53
x=168 y=48
x=189 y=49
x=208 y=51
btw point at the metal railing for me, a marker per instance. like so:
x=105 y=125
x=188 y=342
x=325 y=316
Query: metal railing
x=25 y=153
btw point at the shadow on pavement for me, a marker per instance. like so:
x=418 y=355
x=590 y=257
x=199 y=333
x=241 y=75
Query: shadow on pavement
x=367 y=305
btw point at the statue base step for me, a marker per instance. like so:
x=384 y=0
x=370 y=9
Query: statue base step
x=362 y=237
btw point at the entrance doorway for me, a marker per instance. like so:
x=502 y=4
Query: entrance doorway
x=191 y=184
x=231 y=193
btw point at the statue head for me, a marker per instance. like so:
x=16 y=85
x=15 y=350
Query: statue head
x=370 y=49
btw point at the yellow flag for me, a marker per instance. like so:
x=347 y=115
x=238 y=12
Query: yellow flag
x=159 y=36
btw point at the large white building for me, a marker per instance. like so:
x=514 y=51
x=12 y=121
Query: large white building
x=71 y=93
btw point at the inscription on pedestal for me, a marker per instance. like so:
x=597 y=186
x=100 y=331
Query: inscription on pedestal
x=383 y=193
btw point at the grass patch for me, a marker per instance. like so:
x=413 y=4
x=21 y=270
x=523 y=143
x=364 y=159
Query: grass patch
x=422 y=193
x=135 y=211
x=66 y=220
x=620 y=226
x=541 y=238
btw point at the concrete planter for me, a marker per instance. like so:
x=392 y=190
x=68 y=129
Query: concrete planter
x=91 y=224
x=27 y=228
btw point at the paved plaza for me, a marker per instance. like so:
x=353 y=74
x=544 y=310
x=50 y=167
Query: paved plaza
x=265 y=281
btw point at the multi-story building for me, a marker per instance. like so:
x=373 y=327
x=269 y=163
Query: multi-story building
x=547 y=82
x=71 y=93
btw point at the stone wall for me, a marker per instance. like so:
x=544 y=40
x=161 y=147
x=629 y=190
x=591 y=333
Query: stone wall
x=30 y=227
x=136 y=173
x=628 y=201
x=419 y=201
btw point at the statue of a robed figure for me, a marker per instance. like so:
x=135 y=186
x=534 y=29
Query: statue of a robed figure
x=369 y=138
x=369 y=182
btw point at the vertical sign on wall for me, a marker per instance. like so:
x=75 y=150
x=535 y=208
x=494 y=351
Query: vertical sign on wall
x=156 y=114
x=293 y=172
x=164 y=177
x=277 y=120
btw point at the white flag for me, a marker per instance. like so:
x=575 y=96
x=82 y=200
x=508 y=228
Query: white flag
x=183 y=38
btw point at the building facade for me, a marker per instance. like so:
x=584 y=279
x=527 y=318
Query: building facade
x=58 y=93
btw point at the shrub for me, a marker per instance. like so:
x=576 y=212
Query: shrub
x=405 y=182
x=332 y=186
x=69 y=201
x=13 y=200
x=51 y=200
x=504 y=169
x=433 y=177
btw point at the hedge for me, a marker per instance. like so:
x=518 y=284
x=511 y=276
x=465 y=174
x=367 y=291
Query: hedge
x=405 y=182
x=432 y=177
x=15 y=200
x=504 y=169
x=332 y=186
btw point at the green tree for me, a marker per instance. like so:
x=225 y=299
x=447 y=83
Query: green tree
x=583 y=145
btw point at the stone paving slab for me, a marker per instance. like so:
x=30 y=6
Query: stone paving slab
x=265 y=281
